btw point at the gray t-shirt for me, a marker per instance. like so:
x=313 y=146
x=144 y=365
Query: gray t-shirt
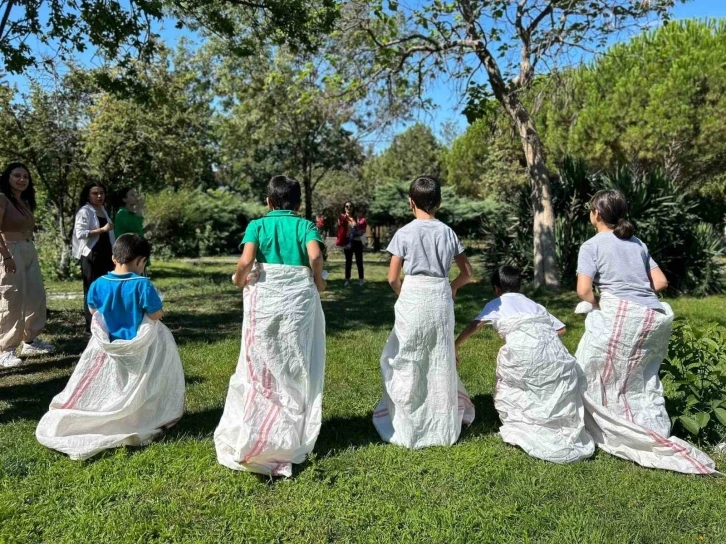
x=427 y=248
x=619 y=267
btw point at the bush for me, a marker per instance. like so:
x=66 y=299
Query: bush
x=669 y=220
x=194 y=223
x=694 y=375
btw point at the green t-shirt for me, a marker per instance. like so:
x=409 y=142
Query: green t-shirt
x=128 y=222
x=282 y=237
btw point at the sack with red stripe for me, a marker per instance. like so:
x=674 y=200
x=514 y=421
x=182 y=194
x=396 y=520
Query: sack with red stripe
x=272 y=415
x=539 y=392
x=424 y=402
x=124 y=392
x=620 y=354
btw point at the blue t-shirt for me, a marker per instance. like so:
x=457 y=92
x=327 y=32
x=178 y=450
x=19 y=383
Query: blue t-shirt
x=123 y=299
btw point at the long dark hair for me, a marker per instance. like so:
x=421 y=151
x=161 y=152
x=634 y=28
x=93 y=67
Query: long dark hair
x=28 y=195
x=118 y=200
x=613 y=208
x=86 y=192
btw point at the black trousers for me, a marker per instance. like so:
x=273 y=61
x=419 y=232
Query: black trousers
x=93 y=266
x=356 y=247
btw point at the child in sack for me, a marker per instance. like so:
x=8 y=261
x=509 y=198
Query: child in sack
x=424 y=403
x=539 y=388
x=272 y=414
x=129 y=384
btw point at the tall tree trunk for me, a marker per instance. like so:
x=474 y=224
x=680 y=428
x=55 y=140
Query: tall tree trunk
x=308 y=188
x=545 y=258
x=64 y=265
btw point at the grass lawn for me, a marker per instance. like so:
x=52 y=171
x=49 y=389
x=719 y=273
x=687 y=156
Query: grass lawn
x=354 y=488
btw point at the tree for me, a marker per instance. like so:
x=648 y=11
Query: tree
x=486 y=161
x=658 y=101
x=414 y=152
x=165 y=141
x=124 y=30
x=509 y=41
x=278 y=114
x=46 y=130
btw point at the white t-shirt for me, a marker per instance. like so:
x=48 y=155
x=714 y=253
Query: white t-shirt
x=514 y=305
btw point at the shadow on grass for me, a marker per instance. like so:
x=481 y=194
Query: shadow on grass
x=29 y=401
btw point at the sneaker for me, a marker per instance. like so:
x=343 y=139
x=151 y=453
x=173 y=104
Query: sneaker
x=361 y=282
x=36 y=347
x=347 y=283
x=8 y=359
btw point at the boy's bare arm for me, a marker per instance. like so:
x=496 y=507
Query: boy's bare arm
x=244 y=265
x=470 y=329
x=394 y=274
x=562 y=331
x=465 y=273
x=315 y=254
x=157 y=315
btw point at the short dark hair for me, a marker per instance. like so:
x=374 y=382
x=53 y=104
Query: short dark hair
x=425 y=193
x=129 y=247
x=284 y=193
x=508 y=279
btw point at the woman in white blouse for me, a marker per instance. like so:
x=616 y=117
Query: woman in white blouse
x=93 y=239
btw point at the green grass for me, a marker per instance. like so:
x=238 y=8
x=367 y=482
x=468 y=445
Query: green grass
x=354 y=488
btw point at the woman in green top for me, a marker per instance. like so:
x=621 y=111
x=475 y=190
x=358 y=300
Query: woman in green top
x=128 y=213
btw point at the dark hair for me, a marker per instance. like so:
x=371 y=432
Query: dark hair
x=507 y=278
x=119 y=197
x=284 y=193
x=129 y=247
x=28 y=194
x=86 y=192
x=352 y=206
x=425 y=193
x=612 y=207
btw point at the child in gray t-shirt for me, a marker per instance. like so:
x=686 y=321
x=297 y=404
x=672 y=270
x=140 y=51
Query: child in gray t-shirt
x=616 y=261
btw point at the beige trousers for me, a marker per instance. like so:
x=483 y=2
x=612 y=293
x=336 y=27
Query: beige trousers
x=22 y=297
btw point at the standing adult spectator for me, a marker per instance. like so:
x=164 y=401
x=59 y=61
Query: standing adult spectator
x=93 y=239
x=350 y=232
x=22 y=293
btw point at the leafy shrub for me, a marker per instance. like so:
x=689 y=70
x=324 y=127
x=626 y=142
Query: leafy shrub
x=689 y=251
x=390 y=207
x=694 y=375
x=194 y=223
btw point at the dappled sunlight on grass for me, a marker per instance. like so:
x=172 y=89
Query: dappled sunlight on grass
x=354 y=487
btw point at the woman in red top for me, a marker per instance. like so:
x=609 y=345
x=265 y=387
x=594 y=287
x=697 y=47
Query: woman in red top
x=350 y=231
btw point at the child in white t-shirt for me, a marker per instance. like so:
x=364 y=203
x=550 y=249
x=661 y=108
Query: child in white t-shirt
x=539 y=389
x=507 y=282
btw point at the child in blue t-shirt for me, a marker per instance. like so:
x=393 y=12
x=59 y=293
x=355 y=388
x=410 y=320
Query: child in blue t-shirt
x=124 y=296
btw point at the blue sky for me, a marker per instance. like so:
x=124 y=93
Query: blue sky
x=442 y=93
x=447 y=99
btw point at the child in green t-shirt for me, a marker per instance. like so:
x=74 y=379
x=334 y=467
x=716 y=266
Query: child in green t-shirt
x=282 y=236
x=273 y=411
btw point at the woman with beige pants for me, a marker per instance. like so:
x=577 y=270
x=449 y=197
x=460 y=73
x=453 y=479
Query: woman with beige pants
x=22 y=294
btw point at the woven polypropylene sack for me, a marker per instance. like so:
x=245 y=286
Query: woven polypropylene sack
x=424 y=402
x=272 y=415
x=124 y=392
x=539 y=392
x=620 y=355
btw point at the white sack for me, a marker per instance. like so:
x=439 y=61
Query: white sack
x=121 y=393
x=424 y=402
x=620 y=354
x=539 y=392
x=272 y=414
